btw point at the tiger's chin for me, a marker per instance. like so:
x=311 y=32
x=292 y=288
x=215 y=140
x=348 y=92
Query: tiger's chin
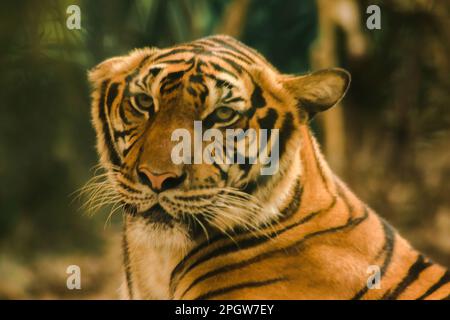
x=156 y=228
x=154 y=214
x=158 y=215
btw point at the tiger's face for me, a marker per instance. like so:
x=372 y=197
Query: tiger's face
x=142 y=100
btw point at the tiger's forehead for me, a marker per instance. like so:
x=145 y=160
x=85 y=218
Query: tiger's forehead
x=230 y=52
x=213 y=57
x=211 y=70
x=193 y=68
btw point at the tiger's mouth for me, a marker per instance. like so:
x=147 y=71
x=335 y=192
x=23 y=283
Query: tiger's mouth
x=196 y=211
x=155 y=214
x=160 y=218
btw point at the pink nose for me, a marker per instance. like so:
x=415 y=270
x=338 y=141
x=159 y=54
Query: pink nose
x=159 y=182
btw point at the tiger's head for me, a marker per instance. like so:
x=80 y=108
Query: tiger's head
x=140 y=100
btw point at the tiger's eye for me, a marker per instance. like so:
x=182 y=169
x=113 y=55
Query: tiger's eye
x=224 y=113
x=144 y=101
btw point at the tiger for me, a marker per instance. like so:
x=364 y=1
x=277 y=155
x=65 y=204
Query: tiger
x=200 y=231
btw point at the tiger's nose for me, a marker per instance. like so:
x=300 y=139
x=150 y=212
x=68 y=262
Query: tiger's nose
x=160 y=182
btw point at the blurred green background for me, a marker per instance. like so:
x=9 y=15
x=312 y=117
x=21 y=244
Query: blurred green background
x=388 y=140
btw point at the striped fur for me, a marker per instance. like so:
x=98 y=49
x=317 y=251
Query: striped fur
x=225 y=231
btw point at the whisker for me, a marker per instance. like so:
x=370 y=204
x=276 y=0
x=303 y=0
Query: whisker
x=113 y=210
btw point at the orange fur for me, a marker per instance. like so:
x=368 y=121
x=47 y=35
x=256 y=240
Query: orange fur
x=312 y=239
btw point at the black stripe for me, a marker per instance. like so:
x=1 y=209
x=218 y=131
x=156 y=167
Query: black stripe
x=257 y=100
x=154 y=71
x=388 y=249
x=442 y=281
x=127 y=150
x=204 y=93
x=219 y=68
x=112 y=153
x=197 y=46
x=246 y=166
x=206 y=42
x=123 y=116
x=123 y=133
x=136 y=111
x=244 y=285
x=233 y=64
x=192 y=91
x=199 y=64
x=413 y=273
x=285 y=133
x=196 y=78
x=294 y=204
x=140 y=85
x=268 y=121
x=111 y=97
x=126 y=261
x=220 y=83
x=151 y=72
x=172 y=52
x=173 y=76
x=173 y=61
x=240 y=58
x=318 y=165
x=167 y=90
x=128 y=188
x=389 y=236
x=232 y=48
x=112 y=94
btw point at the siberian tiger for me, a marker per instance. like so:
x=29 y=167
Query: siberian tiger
x=224 y=230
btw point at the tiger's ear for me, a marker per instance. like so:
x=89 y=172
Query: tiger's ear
x=105 y=70
x=318 y=91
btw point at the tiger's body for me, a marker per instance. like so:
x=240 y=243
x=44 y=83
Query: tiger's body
x=210 y=231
